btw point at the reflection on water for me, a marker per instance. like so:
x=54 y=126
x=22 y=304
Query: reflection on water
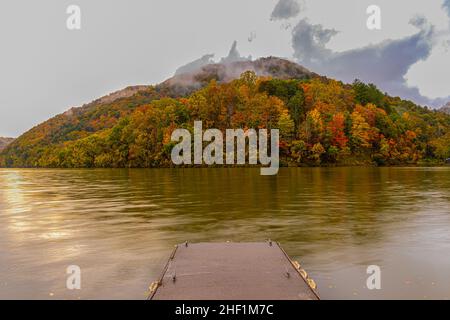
x=119 y=226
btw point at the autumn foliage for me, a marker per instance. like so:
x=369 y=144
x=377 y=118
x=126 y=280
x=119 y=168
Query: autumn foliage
x=321 y=122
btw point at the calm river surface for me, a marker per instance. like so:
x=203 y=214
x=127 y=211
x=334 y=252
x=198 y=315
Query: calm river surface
x=120 y=226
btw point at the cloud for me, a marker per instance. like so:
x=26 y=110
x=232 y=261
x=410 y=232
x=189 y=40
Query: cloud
x=285 y=9
x=233 y=56
x=196 y=64
x=309 y=42
x=446 y=6
x=384 y=64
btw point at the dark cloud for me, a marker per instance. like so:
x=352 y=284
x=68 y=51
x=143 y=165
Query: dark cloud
x=384 y=64
x=446 y=6
x=309 y=42
x=286 y=9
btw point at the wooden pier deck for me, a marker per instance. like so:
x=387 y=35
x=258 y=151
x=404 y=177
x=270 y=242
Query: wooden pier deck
x=232 y=271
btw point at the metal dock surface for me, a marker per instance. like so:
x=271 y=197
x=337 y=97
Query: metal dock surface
x=232 y=271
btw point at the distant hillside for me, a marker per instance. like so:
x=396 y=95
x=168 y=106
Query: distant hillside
x=446 y=108
x=322 y=121
x=5 y=142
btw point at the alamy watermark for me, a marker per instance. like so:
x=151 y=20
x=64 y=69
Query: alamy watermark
x=240 y=146
x=73 y=281
x=374 y=280
x=73 y=21
x=374 y=19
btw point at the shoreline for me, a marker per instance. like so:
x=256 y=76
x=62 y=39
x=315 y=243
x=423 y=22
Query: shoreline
x=405 y=165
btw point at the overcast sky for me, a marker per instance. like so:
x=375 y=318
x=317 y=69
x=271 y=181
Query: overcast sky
x=46 y=69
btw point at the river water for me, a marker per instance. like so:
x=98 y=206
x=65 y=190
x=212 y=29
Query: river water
x=120 y=226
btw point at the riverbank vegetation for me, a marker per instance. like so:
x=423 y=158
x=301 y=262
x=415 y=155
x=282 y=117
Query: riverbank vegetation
x=321 y=122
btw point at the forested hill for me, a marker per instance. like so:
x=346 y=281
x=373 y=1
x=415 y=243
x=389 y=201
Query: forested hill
x=322 y=121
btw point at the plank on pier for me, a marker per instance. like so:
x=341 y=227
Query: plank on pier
x=232 y=271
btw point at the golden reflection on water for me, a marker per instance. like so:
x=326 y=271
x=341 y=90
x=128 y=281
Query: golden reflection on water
x=18 y=198
x=13 y=195
x=120 y=225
